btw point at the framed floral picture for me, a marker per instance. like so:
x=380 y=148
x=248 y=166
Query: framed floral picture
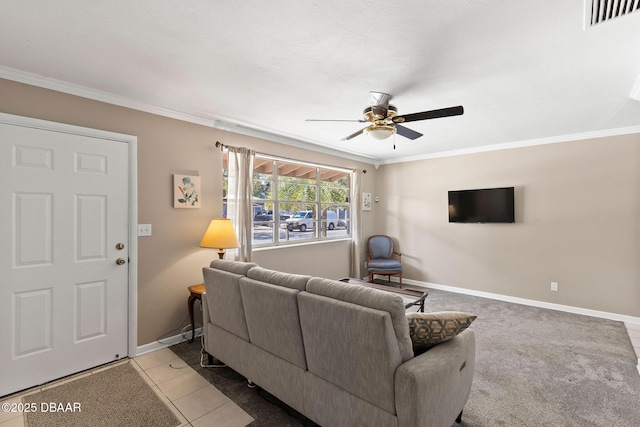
x=186 y=191
x=366 y=201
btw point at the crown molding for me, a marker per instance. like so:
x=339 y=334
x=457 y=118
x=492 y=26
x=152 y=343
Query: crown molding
x=521 y=144
x=270 y=135
x=98 y=95
x=209 y=121
x=291 y=141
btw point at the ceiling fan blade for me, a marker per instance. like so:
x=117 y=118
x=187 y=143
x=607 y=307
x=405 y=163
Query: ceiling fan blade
x=432 y=114
x=407 y=133
x=332 y=120
x=353 y=135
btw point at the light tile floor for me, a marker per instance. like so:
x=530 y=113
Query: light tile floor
x=193 y=400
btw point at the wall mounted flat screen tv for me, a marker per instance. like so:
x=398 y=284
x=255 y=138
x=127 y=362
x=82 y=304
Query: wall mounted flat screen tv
x=488 y=205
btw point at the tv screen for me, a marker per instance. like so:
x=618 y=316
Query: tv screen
x=486 y=205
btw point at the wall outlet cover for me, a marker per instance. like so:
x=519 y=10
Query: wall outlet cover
x=144 y=229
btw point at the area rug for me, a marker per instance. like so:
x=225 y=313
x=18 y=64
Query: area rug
x=117 y=396
x=534 y=367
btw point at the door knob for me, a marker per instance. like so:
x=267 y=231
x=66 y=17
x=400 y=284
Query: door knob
x=120 y=261
x=120 y=246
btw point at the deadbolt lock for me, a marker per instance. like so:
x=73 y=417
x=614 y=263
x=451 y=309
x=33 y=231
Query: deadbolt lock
x=120 y=246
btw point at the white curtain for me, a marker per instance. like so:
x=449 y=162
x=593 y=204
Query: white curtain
x=356 y=225
x=240 y=200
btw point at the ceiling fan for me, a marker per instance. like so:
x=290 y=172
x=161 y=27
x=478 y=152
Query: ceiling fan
x=385 y=120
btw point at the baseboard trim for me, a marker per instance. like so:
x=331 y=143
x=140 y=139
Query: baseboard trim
x=626 y=320
x=165 y=342
x=524 y=301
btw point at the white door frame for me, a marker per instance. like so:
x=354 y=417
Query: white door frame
x=132 y=144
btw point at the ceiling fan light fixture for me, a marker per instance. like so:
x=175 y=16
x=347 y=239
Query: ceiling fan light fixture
x=380 y=132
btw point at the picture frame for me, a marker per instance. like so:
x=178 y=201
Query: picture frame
x=186 y=191
x=366 y=201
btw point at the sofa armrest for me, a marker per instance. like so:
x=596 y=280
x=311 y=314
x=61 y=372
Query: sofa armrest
x=432 y=389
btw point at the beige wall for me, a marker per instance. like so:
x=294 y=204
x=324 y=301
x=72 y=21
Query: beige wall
x=577 y=213
x=327 y=259
x=170 y=259
x=577 y=222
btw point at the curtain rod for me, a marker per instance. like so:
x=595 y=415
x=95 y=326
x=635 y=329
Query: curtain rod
x=222 y=146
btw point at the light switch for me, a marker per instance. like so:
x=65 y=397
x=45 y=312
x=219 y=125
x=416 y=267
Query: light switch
x=144 y=229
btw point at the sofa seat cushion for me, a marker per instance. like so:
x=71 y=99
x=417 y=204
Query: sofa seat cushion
x=429 y=329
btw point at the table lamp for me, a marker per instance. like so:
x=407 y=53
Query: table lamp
x=220 y=235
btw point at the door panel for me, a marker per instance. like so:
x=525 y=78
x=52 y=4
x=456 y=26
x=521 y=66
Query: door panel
x=91 y=227
x=32 y=228
x=90 y=310
x=32 y=322
x=63 y=299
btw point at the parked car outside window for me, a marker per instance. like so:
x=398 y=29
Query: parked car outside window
x=301 y=220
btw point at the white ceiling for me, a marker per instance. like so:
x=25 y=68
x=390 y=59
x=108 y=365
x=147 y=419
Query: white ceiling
x=525 y=71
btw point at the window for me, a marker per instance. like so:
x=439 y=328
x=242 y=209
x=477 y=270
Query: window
x=296 y=202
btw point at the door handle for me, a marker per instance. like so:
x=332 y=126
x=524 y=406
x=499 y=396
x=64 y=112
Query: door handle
x=120 y=261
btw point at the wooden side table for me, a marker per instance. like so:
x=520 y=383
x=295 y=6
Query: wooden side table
x=196 y=294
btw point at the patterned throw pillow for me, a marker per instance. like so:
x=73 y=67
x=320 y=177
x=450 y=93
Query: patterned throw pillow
x=428 y=329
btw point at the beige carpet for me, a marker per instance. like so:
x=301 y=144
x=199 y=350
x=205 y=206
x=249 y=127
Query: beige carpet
x=118 y=396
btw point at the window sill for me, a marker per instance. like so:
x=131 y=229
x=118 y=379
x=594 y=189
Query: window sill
x=295 y=245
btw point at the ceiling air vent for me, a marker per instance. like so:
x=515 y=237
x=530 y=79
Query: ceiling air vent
x=605 y=10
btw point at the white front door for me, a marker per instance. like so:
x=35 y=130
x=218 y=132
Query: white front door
x=63 y=228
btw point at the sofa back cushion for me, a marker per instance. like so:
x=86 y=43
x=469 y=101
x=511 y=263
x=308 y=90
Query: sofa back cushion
x=293 y=281
x=272 y=319
x=224 y=301
x=373 y=298
x=237 y=267
x=350 y=339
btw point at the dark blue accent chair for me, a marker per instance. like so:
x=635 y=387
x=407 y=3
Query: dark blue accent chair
x=382 y=259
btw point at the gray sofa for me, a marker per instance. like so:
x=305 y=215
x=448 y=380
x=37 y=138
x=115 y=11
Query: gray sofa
x=340 y=354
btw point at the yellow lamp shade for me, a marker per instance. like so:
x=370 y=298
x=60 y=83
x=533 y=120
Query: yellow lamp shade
x=220 y=235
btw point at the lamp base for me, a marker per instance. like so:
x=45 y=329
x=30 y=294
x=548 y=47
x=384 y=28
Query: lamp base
x=221 y=253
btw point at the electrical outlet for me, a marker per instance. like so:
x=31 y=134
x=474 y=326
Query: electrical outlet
x=144 y=229
x=554 y=286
